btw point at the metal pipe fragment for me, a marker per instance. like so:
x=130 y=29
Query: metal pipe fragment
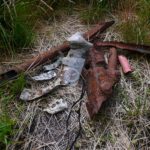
x=51 y=53
x=125 y=64
x=127 y=46
x=34 y=62
x=99 y=28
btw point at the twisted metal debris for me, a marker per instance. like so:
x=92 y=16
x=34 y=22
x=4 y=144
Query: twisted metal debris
x=100 y=78
x=52 y=53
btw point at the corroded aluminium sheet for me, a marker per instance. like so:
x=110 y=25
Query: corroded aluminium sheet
x=44 y=76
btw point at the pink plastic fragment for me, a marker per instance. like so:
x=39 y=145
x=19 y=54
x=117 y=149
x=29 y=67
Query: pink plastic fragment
x=125 y=64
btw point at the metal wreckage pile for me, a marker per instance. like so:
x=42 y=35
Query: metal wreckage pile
x=85 y=55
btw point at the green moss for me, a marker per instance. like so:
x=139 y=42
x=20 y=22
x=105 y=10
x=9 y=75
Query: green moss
x=8 y=94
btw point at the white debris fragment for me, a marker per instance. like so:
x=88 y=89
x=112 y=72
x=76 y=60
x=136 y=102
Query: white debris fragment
x=56 y=106
x=31 y=94
x=26 y=94
x=45 y=76
x=70 y=75
x=53 y=65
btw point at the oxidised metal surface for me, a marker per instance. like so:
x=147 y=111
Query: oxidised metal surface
x=126 y=67
x=100 y=27
x=127 y=46
x=100 y=79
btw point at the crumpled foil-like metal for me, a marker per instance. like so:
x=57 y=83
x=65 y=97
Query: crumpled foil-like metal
x=32 y=94
x=56 y=106
x=45 y=76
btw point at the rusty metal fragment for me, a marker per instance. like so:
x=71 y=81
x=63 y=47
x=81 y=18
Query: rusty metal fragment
x=126 y=46
x=51 y=53
x=100 y=79
x=126 y=67
x=100 y=27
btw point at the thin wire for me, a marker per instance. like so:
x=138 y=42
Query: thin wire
x=79 y=116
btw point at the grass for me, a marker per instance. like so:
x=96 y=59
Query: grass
x=15 y=26
x=135 y=102
x=8 y=94
x=135 y=21
x=97 y=10
x=18 y=19
x=18 y=85
x=139 y=33
x=133 y=16
x=6 y=122
x=6 y=130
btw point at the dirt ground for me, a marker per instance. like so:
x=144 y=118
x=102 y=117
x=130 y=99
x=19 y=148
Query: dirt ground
x=122 y=123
